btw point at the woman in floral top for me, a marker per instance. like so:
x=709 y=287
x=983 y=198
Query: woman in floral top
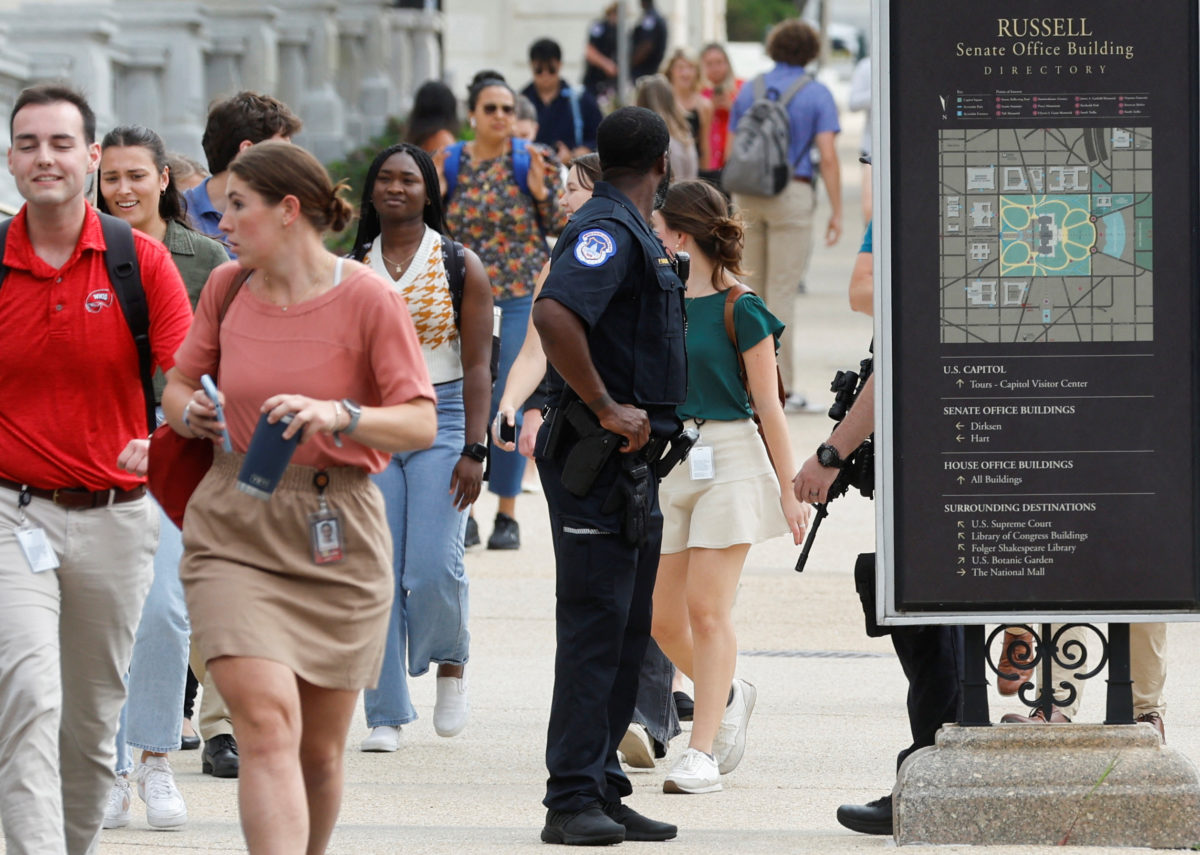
x=505 y=224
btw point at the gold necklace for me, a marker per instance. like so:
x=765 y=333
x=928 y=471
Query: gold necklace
x=316 y=281
x=399 y=267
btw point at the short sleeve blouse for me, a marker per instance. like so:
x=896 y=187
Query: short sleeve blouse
x=490 y=214
x=354 y=341
x=715 y=390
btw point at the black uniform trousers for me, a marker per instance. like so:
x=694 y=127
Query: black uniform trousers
x=603 y=590
x=932 y=659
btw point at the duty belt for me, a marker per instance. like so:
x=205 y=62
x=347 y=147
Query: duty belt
x=76 y=498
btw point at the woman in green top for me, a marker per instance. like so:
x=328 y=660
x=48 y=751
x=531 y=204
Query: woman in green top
x=727 y=497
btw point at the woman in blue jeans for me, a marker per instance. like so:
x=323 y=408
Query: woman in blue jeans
x=503 y=206
x=136 y=185
x=401 y=236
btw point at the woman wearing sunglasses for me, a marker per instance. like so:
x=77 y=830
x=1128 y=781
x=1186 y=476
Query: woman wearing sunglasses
x=502 y=200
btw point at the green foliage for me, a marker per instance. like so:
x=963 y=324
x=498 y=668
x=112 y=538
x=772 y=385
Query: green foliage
x=749 y=20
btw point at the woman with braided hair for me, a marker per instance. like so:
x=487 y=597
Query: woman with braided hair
x=728 y=497
x=402 y=237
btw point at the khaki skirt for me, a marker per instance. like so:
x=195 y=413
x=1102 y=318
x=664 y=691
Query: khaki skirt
x=253 y=589
x=739 y=504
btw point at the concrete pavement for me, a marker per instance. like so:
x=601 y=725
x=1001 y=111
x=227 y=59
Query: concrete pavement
x=829 y=720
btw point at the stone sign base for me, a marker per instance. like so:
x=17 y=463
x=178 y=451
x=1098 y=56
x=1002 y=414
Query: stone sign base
x=1048 y=784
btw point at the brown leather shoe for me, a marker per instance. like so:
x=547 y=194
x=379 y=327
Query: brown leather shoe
x=1056 y=717
x=1010 y=662
x=1154 y=720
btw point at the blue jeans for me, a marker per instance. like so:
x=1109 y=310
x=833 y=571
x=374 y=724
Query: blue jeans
x=508 y=466
x=151 y=718
x=429 y=612
x=655 y=707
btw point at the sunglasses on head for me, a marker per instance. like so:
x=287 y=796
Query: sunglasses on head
x=506 y=109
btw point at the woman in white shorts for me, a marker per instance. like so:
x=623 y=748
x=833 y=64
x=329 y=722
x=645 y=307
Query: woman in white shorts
x=726 y=497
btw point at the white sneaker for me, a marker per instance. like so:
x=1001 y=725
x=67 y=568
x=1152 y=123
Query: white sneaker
x=156 y=787
x=695 y=773
x=453 y=706
x=636 y=747
x=382 y=738
x=116 y=810
x=730 y=742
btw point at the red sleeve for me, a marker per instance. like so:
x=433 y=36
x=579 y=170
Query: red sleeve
x=166 y=298
x=200 y=351
x=394 y=352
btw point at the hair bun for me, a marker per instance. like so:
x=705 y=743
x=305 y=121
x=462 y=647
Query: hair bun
x=339 y=212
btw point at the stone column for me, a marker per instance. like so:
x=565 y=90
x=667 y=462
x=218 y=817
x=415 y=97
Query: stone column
x=177 y=30
x=320 y=108
x=138 y=87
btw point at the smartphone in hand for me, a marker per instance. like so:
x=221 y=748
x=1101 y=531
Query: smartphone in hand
x=210 y=389
x=508 y=433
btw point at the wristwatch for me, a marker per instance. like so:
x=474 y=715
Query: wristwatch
x=475 y=451
x=828 y=456
x=355 y=411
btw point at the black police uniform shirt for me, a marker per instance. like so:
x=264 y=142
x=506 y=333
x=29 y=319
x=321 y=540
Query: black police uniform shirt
x=611 y=270
x=651 y=27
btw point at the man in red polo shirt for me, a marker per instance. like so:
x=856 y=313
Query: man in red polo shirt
x=77 y=533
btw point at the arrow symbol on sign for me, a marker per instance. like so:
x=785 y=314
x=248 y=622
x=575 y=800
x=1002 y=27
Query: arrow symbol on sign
x=961 y=536
x=960 y=523
x=961 y=548
x=959 y=383
x=962 y=572
x=959 y=438
x=958 y=425
x=960 y=479
x=962 y=560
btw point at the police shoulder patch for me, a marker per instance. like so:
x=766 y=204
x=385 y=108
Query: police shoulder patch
x=594 y=247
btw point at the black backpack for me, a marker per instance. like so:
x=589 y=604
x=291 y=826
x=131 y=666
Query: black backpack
x=125 y=276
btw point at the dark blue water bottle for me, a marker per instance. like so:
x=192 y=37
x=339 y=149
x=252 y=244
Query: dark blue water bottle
x=267 y=457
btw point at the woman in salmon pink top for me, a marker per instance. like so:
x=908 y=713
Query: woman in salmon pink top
x=289 y=611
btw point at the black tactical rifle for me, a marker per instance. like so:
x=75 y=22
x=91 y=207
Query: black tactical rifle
x=858 y=471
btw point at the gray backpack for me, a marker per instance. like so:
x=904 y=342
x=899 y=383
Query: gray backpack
x=759 y=164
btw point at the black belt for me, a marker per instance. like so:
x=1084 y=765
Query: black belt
x=77 y=497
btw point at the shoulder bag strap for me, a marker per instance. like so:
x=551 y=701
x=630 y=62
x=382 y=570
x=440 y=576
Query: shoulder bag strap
x=120 y=257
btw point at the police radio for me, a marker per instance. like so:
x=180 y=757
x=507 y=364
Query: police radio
x=682 y=265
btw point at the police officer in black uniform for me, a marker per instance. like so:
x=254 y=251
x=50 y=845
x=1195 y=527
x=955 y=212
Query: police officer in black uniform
x=611 y=318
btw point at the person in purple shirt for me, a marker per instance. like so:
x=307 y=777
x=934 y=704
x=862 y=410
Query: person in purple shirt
x=779 y=228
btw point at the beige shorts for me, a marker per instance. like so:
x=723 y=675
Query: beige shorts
x=739 y=504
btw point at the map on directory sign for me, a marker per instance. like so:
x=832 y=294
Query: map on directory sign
x=1046 y=235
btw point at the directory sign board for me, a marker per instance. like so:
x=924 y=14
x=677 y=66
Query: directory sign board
x=1037 y=300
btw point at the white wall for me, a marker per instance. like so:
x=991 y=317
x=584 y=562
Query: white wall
x=497 y=33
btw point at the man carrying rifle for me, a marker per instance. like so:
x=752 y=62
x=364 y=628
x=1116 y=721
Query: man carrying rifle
x=931 y=656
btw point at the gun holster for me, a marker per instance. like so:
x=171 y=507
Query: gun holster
x=681 y=447
x=864 y=584
x=631 y=495
x=592 y=449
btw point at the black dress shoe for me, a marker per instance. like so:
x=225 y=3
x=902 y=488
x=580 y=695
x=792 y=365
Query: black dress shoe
x=220 y=757
x=189 y=743
x=638 y=827
x=588 y=827
x=684 y=706
x=872 y=818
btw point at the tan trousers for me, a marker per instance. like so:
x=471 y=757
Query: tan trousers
x=1147 y=666
x=213 y=718
x=778 y=244
x=66 y=638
